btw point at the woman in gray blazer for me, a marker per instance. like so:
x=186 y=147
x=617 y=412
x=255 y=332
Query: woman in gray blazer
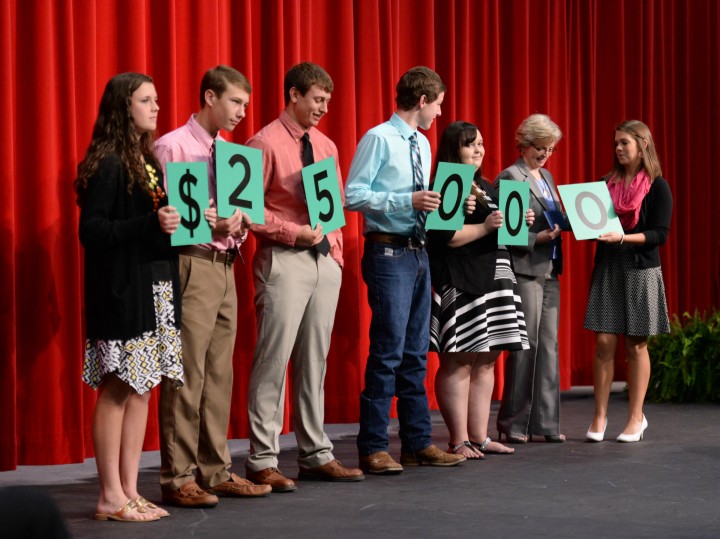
x=531 y=394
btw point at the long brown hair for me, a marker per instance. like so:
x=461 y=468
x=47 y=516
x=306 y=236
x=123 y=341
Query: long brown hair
x=115 y=133
x=648 y=160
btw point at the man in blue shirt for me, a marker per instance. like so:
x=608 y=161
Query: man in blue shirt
x=388 y=183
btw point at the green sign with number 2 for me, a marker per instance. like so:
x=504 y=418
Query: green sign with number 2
x=323 y=195
x=239 y=181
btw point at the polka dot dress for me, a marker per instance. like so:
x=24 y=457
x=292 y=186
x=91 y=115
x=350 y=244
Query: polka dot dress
x=624 y=299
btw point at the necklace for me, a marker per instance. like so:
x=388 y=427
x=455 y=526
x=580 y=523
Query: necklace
x=156 y=190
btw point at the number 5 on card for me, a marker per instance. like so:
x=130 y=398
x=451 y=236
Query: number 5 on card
x=323 y=195
x=239 y=180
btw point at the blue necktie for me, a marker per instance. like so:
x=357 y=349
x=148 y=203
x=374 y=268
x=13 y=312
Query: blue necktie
x=419 y=186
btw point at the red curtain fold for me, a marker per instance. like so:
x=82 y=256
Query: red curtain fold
x=588 y=64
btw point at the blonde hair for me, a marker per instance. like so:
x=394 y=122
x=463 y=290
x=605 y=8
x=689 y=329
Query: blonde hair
x=537 y=129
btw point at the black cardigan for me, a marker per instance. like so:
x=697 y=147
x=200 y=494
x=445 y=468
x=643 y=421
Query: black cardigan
x=124 y=248
x=470 y=267
x=654 y=222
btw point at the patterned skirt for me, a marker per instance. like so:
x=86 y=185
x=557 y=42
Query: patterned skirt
x=140 y=362
x=626 y=300
x=463 y=322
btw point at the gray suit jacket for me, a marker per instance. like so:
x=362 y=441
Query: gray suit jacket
x=533 y=260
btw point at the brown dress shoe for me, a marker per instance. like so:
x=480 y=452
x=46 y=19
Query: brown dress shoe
x=272 y=477
x=238 y=487
x=379 y=463
x=332 y=471
x=190 y=495
x=431 y=455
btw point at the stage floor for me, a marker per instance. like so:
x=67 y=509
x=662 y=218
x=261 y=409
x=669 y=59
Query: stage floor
x=668 y=485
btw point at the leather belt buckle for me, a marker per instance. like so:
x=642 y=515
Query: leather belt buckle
x=411 y=243
x=222 y=257
x=414 y=244
x=225 y=257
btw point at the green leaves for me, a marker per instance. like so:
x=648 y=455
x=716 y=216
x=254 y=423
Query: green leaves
x=686 y=361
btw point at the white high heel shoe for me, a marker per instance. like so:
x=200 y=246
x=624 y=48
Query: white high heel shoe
x=596 y=436
x=634 y=437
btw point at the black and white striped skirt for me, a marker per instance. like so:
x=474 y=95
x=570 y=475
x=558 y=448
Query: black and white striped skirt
x=463 y=322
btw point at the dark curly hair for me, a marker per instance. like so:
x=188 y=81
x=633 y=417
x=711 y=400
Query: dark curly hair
x=115 y=133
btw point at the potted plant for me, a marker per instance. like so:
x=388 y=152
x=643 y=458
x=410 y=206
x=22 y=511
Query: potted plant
x=685 y=363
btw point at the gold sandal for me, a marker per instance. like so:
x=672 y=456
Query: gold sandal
x=144 y=505
x=119 y=515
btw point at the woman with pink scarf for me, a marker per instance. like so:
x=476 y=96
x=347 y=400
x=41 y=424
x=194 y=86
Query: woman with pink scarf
x=627 y=294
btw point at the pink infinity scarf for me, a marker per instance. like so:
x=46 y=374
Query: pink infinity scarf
x=628 y=199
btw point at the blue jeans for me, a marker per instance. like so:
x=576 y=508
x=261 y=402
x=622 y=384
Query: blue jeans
x=398 y=283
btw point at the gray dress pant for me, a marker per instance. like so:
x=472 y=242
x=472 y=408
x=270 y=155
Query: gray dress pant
x=531 y=393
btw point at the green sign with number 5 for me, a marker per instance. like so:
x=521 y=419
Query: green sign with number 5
x=322 y=192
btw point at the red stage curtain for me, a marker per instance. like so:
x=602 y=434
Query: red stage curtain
x=589 y=64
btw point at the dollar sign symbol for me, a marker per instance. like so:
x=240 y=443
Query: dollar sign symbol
x=193 y=220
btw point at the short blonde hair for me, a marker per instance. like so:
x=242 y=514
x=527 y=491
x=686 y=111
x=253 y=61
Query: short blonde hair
x=537 y=129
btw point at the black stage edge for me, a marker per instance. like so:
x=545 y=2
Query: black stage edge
x=667 y=485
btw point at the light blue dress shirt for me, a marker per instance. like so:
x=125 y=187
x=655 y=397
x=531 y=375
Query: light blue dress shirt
x=380 y=182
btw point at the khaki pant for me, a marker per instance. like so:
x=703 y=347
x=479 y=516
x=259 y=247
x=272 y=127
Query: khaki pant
x=296 y=294
x=194 y=419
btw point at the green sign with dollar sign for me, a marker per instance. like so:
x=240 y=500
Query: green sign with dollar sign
x=188 y=194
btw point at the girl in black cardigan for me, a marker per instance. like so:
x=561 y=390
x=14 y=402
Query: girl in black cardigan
x=132 y=307
x=476 y=311
x=627 y=295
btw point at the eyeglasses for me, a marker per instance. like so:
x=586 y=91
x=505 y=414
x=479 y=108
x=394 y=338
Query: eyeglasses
x=548 y=151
